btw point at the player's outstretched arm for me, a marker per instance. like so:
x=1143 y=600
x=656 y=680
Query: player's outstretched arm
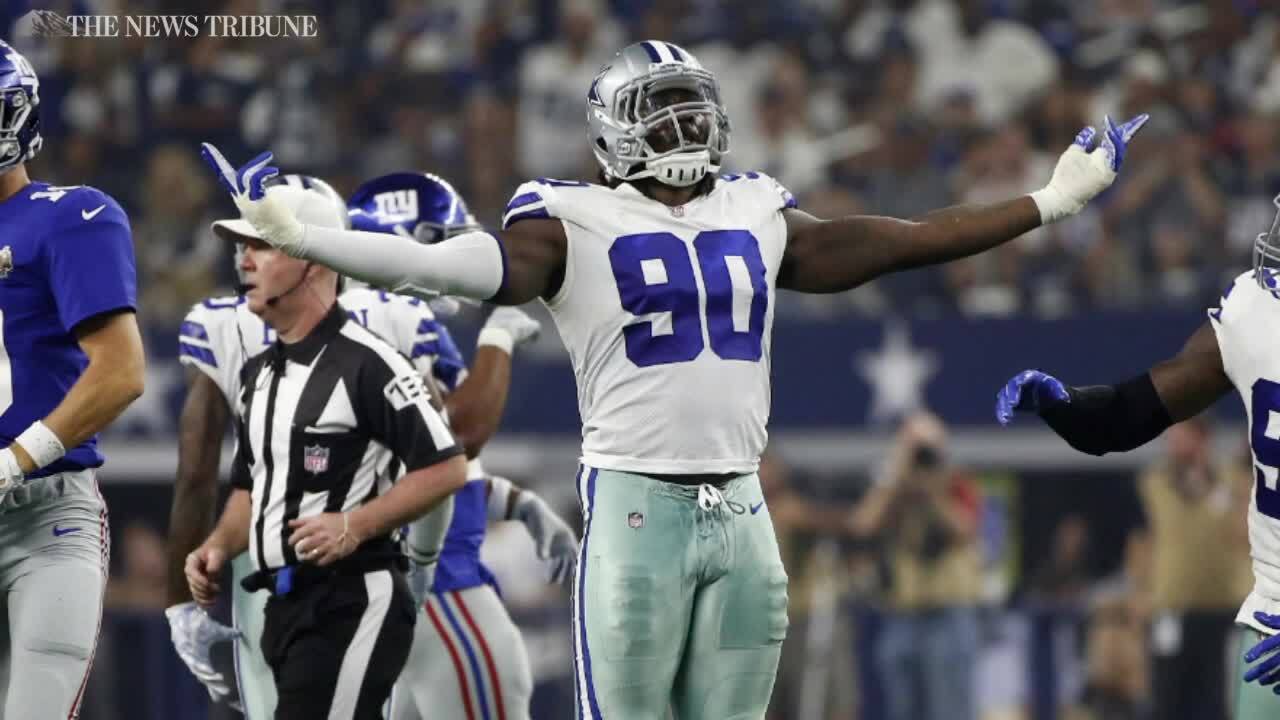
x=825 y=256
x=113 y=378
x=1098 y=419
x=510 y=269
x=195 y=492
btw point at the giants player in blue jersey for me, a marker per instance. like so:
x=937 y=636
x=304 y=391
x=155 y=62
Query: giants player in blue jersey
x=71 y=360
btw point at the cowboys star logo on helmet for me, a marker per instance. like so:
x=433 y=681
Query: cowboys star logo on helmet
x=656 y=112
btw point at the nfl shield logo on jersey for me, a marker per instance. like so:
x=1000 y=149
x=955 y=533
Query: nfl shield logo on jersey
x=635 y=520
x=6 y=262
x=315 y=459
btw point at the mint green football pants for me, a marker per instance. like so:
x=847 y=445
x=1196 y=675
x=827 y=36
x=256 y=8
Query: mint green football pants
x=679 y=601
x=1253 y=701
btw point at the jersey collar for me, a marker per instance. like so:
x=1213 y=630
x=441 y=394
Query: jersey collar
x=306 y=349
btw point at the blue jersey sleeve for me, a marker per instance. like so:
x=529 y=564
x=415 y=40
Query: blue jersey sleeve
x=90 y=257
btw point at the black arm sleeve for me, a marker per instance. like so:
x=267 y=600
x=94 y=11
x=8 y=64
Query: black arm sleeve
x=1110 y=418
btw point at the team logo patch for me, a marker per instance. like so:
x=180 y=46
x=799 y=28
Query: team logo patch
x=315 y=459
x=6 y=262
x=635 y=520
x=678 y=211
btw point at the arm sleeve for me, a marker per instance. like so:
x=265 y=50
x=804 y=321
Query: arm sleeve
x=90 y=259
x=470 y=265
x=1110 y=418
x=396 y=407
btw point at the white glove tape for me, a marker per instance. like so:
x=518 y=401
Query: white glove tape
x=41 y=444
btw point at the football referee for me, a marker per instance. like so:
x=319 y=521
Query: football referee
x=337 y=447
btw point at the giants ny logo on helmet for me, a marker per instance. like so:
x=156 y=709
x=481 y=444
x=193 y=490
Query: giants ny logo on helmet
x=19 y=109
x=418 y=205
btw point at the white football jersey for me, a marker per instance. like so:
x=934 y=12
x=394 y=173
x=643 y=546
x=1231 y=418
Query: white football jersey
x=1245 y=324
x=220 y=334
x=667 y=315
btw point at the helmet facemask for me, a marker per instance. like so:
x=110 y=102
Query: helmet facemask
x=16 y=107
x=1266 y=254
x=674 y=140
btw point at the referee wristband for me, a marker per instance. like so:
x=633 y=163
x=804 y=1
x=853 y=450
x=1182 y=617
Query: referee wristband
x=41 y=444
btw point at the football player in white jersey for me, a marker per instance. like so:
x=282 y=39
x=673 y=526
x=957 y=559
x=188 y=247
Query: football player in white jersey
x=1236 y=347
x=662 y=282
x=217 y=337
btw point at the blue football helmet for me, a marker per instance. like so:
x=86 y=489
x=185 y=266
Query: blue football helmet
x=19 y=109
x=420 y=206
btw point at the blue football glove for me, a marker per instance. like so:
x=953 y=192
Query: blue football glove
x=275 y=222
x=1266 y=672
x=1029 y=391
x=447 y=364
x=1086 y=169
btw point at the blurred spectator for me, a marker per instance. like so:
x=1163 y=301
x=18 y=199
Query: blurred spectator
x=816 y=674
x=1193 y=506
x=1063 y=579
x=1118 y=681
x=139 y=584
x=928 y=513
x=178 y=260
x=1002 y=63
x=554 y=79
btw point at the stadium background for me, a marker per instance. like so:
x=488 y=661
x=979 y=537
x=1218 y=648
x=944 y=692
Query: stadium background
x=884 y=106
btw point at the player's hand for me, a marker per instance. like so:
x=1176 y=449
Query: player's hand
x=277 y=224
x=1086 y=169
x=421 y=578
x=194 y=634
x=508 y=328
x=447 y=362
x=203 y=567
x=1029 y=391
x=552 y=536
x=1266 y=672
x=323 y=539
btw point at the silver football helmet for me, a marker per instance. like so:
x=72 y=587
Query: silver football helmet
x=654 y=111
x=1266 y=253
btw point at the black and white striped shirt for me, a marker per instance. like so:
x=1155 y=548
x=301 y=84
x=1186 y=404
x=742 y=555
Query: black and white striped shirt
x=325 y=425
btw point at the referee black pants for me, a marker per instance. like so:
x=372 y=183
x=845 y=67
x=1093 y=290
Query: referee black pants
x=336 y=647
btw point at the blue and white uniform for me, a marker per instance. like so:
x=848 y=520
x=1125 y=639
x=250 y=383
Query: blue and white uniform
x=66 y=256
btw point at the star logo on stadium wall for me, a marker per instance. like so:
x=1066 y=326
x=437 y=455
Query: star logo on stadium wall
x=897 y=374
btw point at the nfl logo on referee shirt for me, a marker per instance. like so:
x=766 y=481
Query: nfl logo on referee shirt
x=315 y=459
x=6 y=262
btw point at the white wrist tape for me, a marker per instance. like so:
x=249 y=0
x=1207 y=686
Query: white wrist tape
x=41 y=444
x=500 y=338
x=1053 y=205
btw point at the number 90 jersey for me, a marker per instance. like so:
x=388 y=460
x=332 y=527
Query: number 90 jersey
x=1245 y=323
x=666 y=313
